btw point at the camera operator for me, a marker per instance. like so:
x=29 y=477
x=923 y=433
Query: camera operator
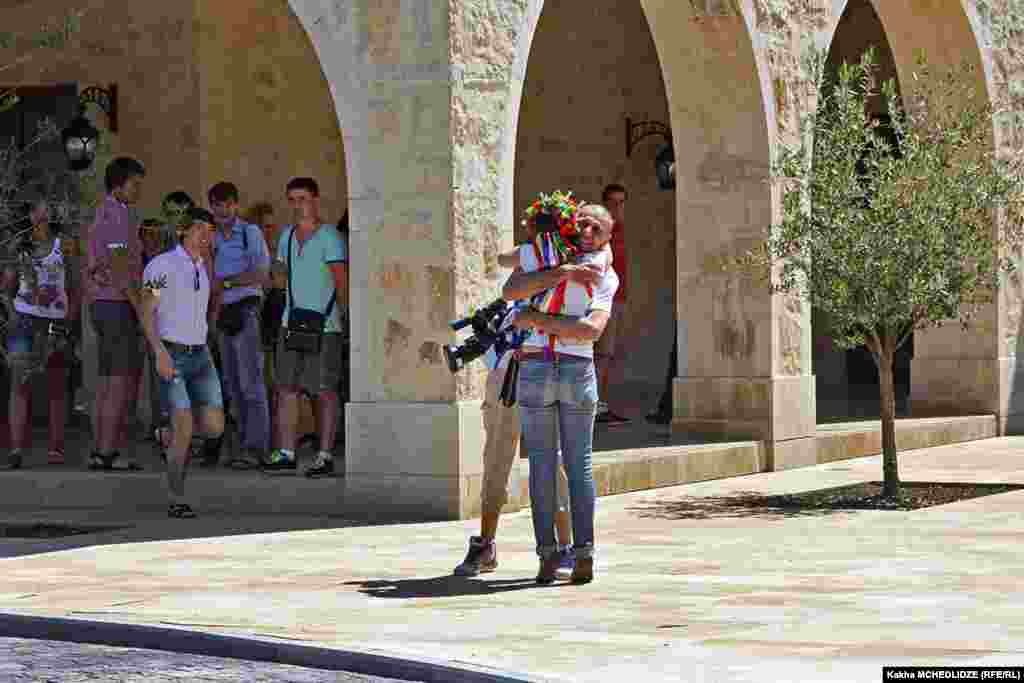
x=557 y=389
x=501 y=425
x=47 y=305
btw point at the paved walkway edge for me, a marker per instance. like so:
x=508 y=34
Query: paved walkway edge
x=185 y=641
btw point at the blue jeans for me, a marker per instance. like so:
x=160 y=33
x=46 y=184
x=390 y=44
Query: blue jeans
x=557 y=402
x=195 y=383
x=241 y=360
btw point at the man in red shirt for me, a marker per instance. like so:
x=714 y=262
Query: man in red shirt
x=606 y=350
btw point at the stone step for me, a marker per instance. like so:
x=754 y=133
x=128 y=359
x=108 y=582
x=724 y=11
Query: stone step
x=623 y=470
x=662 y=459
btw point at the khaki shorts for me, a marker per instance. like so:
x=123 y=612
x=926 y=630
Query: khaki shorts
x=315 y=373
x=607 y=346
x=501 y=424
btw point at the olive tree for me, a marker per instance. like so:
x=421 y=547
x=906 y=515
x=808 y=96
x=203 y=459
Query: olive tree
x=891 y=227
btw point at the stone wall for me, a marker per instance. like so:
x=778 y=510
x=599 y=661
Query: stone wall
x=265 y=110
x=207 y=92
x=591 y=65
x=147 y=49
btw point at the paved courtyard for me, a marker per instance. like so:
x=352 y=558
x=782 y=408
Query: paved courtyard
x=691 y=585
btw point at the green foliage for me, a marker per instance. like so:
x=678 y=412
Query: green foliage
x=56 y=35
x=889 y=231
x=1005 y=19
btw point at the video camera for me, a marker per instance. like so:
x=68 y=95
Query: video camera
x=491 y=328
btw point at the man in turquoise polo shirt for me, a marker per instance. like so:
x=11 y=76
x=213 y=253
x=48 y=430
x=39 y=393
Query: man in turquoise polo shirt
x=316 y=258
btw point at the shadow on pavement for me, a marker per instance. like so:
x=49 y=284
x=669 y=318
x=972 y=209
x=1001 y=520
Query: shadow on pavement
x=742 y=504
x=447 y=586
x=112 y=529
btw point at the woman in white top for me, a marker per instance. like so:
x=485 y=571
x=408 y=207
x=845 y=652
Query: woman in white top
x=46 y=309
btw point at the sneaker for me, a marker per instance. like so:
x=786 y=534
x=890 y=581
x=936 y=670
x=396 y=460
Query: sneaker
x=566 y=564
x=248 y=459
x=323 y=466
x=548 y=571
x=481 y=558
x=278 y=460
x=14 y=460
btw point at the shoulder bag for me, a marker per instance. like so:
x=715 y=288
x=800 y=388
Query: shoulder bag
x=305 y=331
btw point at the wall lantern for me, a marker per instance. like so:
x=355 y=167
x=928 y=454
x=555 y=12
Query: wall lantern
x=80 y=138
x=665 y=167
x=665 y=160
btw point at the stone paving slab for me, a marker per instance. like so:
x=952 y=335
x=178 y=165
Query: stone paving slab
x=688 y=587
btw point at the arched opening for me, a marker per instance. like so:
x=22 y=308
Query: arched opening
x=591 y=66
x=847 y=380
x=232 y=91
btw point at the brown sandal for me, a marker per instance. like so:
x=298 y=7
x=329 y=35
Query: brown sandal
x=55 y=458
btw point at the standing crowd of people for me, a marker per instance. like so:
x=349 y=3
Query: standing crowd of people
x=200 y=301
x=198 y=305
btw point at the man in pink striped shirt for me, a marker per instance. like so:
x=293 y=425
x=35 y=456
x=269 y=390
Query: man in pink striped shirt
x=113 y=274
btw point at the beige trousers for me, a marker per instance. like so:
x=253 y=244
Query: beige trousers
x=502 y=427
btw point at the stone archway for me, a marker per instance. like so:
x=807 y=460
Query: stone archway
x=847 y=379
x=430 y=94
x=744 y=355
x=571 y=136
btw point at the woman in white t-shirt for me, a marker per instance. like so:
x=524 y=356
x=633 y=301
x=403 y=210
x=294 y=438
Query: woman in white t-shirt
x=46 y=308
x=557 y=389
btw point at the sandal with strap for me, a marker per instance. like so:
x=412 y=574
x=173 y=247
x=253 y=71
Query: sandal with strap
x=55 y=457
x=105 y=463
x=180 y=511
x=245 y=461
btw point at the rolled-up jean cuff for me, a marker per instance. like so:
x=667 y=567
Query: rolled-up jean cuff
x=544 y=552
x=584 y=551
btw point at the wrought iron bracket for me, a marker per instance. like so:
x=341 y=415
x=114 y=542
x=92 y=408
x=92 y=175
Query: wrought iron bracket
x=105 y=99
x=635 y=132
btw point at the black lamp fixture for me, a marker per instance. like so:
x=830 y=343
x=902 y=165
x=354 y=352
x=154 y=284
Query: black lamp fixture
x=80 y=137
x=665 y=159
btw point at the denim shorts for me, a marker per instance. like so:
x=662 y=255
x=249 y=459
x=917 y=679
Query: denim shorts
x=21 y=337
x=29 y=347
x=195 y=382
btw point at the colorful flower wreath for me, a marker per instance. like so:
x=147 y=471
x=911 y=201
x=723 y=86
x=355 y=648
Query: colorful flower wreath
x=560 y=237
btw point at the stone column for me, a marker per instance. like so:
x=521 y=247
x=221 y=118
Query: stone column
x=744 y=354
x=423 y=92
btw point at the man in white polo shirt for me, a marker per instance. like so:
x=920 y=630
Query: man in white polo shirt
x=177 y=285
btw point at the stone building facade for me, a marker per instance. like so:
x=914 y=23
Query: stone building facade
x=452 y=112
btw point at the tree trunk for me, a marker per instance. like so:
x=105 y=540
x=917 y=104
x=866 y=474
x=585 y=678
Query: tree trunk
x=890 y=471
